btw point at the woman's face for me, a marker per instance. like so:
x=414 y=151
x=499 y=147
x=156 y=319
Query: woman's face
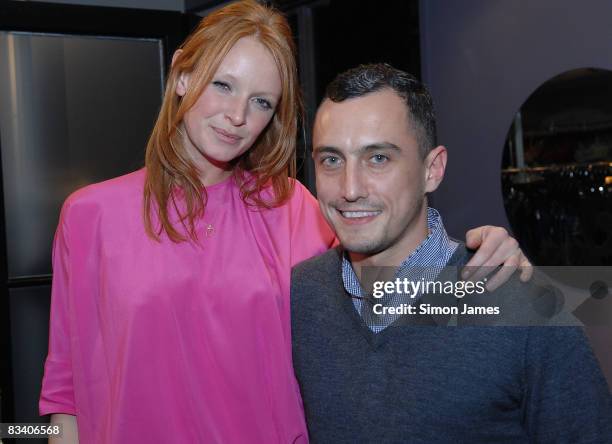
x=233 y=109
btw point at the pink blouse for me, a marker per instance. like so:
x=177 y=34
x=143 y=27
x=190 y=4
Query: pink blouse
x=175 y=342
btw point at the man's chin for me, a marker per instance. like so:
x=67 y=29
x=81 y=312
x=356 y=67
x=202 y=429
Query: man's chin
x=366 y=247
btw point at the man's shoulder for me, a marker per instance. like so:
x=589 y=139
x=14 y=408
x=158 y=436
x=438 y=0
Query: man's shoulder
x=460 y=256
x=327 y=262
x=325 y=265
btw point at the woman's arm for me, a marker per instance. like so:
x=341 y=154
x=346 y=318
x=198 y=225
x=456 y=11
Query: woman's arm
x=495 y=247
x=70 y=430
x=57 y=393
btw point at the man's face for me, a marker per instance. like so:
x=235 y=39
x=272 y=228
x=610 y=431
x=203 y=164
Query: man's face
x=371 y=178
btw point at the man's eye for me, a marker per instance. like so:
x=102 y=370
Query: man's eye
x=221 y=85
x=263 y=103
x=379 y=158
x=330 y=161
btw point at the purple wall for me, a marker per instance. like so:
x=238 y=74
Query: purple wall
x=481 y=60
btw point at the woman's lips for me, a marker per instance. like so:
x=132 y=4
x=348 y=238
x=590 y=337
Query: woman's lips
x=226 y=137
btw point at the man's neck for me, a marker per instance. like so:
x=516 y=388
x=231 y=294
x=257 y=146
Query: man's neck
x=392 y=257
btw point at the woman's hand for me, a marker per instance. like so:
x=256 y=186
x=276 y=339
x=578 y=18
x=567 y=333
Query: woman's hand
x=495 y=247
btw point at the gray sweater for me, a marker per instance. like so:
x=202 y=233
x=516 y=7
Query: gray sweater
x=421 y=383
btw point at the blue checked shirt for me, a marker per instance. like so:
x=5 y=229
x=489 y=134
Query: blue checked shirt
x=425 y=262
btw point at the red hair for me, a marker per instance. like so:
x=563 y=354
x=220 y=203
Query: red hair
x=171 y=175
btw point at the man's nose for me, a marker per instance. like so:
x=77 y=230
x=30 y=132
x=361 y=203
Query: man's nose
x=353 y=186
x=236 y=111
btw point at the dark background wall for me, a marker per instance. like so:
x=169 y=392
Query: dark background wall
x=332 y=35
x=481 y=60
x=52 y=89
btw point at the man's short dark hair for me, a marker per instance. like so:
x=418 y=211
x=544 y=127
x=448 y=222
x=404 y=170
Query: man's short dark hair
x=366 y=79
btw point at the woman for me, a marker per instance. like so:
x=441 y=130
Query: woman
x=169 y=318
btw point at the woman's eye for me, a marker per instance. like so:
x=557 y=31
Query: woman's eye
x=221 y=85
x=263 y=103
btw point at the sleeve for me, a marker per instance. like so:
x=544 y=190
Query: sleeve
x=57 y=394
x=567 y=398
x=310 y=233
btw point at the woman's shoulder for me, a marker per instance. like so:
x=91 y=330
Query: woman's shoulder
x=297 y=195
x=301 y=195
x=299 y=187
x=122 y=191
x=300 y=208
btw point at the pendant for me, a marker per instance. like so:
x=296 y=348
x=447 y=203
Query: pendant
x=209 y=230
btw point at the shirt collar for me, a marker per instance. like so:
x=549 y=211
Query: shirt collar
x=434 y=251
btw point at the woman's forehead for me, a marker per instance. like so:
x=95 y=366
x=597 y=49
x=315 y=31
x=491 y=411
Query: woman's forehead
x=250 y=62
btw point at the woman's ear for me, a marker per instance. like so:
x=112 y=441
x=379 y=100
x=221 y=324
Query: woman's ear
x=183 y=80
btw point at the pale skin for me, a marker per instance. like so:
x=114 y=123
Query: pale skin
x=225 y=121
x=372 y=182
x=70 y=431
x=233 y=109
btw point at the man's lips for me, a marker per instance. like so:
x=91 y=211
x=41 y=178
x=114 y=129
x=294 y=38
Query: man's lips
x=358 y=216
x=226 y=136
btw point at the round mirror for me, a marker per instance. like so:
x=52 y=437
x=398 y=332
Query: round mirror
x=557 y=170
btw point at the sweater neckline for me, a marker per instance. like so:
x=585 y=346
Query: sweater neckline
x=376 y=340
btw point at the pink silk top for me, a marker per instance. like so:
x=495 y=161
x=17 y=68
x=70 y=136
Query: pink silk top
x=155 y=342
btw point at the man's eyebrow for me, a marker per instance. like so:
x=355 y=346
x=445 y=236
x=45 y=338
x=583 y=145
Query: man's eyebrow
x=381 y=146
x=326 y=149
x=365 y=148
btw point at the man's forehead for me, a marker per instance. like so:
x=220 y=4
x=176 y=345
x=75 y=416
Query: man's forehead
x=366 y=119
x=384 y=103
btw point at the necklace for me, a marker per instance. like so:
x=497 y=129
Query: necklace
x=209 y=230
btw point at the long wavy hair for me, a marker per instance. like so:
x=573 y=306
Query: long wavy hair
x=172 y=180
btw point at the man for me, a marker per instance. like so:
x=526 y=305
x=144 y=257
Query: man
x=368 y=376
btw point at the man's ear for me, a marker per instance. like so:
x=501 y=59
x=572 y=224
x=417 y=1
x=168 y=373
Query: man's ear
x=183 y=80
x=435 y=165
